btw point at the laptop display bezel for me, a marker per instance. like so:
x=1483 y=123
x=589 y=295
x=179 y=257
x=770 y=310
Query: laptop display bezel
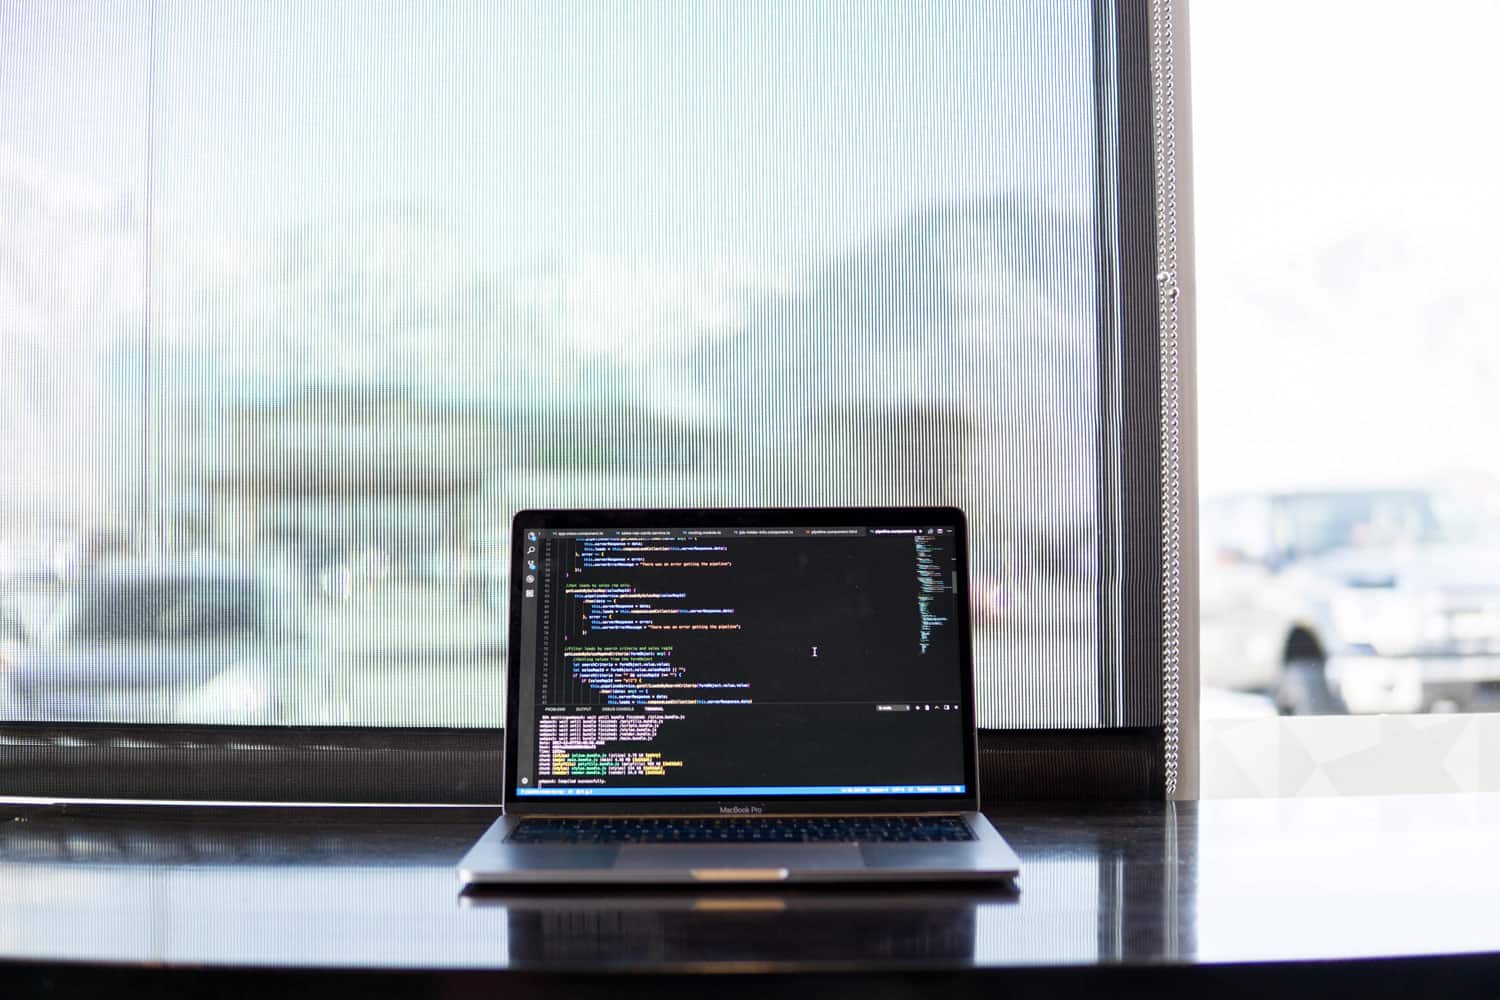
x=749 y=804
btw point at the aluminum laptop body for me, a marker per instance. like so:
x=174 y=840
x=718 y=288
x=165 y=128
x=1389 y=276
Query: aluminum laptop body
x=702 y=674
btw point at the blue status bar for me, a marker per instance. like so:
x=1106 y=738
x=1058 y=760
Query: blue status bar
x=739 y=790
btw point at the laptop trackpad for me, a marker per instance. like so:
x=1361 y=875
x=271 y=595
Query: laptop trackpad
x=739 y=862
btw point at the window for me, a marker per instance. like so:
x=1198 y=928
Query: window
x=1344 y=221
x=293 y=325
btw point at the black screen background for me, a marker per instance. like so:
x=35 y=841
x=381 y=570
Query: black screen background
x=814 y=719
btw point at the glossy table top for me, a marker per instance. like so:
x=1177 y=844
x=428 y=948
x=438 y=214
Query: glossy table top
x=1137 y=884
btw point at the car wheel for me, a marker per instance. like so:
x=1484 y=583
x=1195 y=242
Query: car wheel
x=1304 y=690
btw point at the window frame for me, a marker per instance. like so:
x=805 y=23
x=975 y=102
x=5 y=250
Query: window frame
x=1144 y=751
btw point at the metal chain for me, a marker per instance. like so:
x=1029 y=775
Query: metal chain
x=1163 y=123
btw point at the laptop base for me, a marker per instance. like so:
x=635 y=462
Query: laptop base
x=495 y=860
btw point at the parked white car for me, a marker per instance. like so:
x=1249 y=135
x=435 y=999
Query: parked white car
x=187 y=639
x=1359 y=601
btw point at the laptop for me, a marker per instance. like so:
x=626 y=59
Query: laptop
x=739 y=696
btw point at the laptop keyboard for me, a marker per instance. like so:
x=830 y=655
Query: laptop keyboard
x=761 y=830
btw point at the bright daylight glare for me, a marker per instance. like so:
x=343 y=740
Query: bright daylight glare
x=1348 y=322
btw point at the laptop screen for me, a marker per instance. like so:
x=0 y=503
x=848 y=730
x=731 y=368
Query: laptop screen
x=764 y=660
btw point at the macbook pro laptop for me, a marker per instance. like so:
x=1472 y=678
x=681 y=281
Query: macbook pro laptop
x=739 y=696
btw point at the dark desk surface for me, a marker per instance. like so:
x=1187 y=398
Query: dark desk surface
x=1150 y=885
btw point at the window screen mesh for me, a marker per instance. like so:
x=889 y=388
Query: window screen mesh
x=298 y=303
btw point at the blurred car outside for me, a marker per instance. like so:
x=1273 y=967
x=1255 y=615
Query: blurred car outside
x=182 y=639
x=35 y=571
x=1044 y=576
x=990 y=599
x=355 y=573
x=13 y=636
x=478 y=571
x=1350 y=601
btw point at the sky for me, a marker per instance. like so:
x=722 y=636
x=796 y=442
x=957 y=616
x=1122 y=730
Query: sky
x=532 y=132
x=1345 y=217
x=633 y=174
x=1344 y=156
